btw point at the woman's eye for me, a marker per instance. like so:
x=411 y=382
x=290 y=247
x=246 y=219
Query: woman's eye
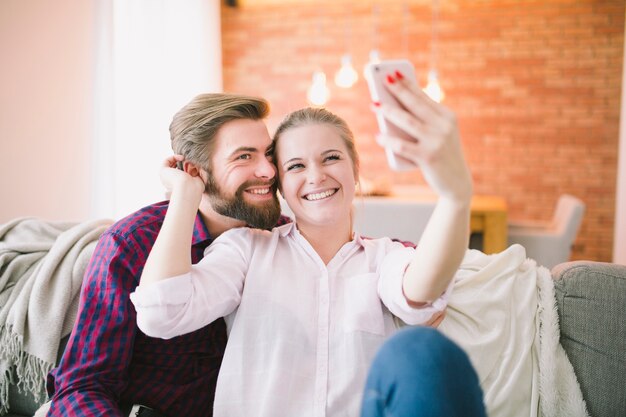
x=332 y=158
x=294 y=166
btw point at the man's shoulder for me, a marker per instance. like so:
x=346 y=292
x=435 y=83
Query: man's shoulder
x=145 y=221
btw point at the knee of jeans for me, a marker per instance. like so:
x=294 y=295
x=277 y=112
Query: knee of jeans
x=422 y=342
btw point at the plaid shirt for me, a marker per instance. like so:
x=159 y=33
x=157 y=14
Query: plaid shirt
x=109 y=361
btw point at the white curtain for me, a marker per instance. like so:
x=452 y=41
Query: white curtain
x=152 y=57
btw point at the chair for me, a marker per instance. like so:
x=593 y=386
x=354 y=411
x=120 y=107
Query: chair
x=550 y=243
x=375 y=217
x=404 y=220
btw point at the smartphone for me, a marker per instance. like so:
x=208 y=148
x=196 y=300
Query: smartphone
x=376 y=74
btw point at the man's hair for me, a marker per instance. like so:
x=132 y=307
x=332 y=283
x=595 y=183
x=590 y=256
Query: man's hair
x=194 y=127
x=311 y=115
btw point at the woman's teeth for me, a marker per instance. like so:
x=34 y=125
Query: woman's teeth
x=319 y=196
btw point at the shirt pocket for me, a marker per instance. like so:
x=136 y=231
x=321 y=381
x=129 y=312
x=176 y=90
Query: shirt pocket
x=362 y=309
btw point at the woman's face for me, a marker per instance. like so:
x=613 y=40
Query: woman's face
x=316 y=174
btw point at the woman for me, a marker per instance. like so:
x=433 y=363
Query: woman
x=308 y=304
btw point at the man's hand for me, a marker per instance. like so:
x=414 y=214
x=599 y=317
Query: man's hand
x=436 y=320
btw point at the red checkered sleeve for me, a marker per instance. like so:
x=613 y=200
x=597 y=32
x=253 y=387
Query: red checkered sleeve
x=94 y=369
x=108 y=361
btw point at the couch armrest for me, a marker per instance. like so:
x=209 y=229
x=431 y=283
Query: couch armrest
x=591 y=300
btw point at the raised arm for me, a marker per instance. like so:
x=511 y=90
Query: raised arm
x=438 y=153
x=170 y=255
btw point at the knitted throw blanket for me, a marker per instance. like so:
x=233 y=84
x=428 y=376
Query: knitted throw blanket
x=502 y=312
x=41 y=271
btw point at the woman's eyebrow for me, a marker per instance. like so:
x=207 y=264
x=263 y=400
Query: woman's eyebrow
x=291 y=160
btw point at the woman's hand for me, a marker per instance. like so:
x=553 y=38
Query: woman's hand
x=437 y=151
x=169 y=256
x=437 y=147
x=173 y=178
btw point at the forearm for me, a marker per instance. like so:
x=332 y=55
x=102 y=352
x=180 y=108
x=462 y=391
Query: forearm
x=440 y=251
x=83 y=402
x=93 y=371
x=170 y=256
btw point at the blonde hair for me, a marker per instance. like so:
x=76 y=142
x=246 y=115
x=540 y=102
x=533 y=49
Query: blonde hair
x=194 y=127
x=311 y=115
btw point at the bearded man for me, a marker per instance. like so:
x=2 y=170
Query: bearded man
x=109 y=367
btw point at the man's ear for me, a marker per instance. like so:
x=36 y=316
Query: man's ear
x=191 y=169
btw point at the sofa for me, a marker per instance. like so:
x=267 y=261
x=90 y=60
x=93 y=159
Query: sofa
x=591 y=302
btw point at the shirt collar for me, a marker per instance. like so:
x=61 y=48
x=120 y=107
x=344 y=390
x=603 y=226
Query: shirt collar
x=291 y=229
x=287 y=229
x=200 y=231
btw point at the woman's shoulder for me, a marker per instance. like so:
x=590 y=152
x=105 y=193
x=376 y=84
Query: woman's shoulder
x=378 y=249
x=382 y=243
x=252 y=233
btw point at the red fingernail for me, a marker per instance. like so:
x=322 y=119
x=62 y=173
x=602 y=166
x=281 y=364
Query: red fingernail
x=390 y=79
x=399 y=75
x=376 y=103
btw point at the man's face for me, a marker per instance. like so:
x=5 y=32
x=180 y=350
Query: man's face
x=241 y=181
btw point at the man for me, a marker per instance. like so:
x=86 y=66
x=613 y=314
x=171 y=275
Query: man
x=108 y=365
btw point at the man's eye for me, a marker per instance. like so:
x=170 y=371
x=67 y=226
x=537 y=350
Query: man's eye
x=245 y=156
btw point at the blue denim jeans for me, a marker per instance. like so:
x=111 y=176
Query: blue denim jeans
x=420 y=372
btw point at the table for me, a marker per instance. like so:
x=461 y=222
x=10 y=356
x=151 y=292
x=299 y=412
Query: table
x=385 y=216
x=489 y=217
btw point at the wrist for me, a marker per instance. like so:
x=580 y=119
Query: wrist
x=187 y=191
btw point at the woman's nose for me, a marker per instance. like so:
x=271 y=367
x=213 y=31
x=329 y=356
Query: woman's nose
x=315 y=175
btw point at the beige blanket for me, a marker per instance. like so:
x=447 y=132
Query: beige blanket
x=502 y=311
x=41 y=270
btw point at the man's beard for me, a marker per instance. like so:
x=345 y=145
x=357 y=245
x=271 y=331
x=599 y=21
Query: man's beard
x=262 y=215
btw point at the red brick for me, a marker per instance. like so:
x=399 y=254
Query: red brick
x=536 y=87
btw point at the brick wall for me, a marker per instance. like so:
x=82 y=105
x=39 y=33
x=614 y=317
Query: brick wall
x=536 y=86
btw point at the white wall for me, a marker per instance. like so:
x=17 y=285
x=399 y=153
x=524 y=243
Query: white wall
x=46 y=79
x=154 y=56
x=84 y=115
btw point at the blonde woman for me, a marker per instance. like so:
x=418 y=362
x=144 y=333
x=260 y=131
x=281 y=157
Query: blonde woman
x=309 y=304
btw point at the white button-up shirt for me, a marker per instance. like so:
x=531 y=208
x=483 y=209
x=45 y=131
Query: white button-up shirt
x=302 y=334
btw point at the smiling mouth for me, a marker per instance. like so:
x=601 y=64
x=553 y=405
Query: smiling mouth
x=320 y=196
x=259 y=191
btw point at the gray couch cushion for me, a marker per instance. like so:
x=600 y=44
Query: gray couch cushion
x=21 y=403
x=24 y=403
x=591 y=298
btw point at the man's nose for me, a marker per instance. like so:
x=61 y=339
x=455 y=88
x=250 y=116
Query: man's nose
x=265 y=168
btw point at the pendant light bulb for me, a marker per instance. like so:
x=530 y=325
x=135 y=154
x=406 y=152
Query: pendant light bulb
x=374 y=58
x=346 y=76
x=433 y=89
x=318 y=93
